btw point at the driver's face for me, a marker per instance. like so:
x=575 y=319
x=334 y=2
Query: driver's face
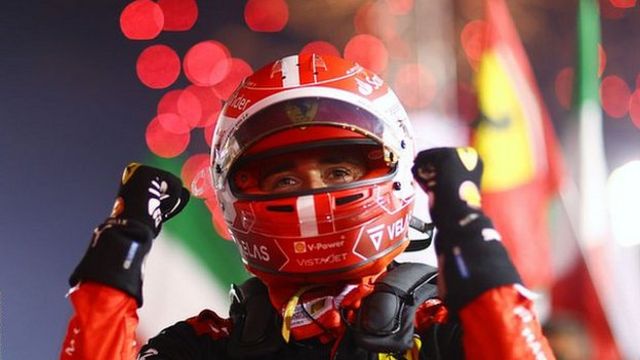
x=313 y=169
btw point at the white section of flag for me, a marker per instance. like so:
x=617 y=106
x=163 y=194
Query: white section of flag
x=176 y=287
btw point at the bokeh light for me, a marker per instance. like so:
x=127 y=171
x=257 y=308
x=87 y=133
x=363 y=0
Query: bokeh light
x=634 y=108
x=141 y=20
x=373 y=17
x=179 y=15
x=205 y=63
x=609 y=11
x=564 y=87
x=400 y=7
x=602 y=56
x=173 y=123
x=164 y=143
x=179 y=111
x=158 y=66
x=368 y=51
x=201 y=184
x=472 y=41
x=414 y=85
x=266 y=15
x=623 y=4
x=208 y=134
x=624 y=198
x=614 y=93
x=210 y=104
x=238 y=70
x=321 y=48
x=192 y=166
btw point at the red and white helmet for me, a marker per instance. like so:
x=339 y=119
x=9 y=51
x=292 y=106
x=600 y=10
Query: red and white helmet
x=341 y=232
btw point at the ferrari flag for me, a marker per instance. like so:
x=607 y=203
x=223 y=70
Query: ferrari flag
x=515 y=138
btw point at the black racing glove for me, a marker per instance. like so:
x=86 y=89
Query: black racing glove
x=147 y=197
x=472 y=255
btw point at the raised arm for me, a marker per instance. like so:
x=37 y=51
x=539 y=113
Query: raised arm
x=478 y=281
x=107 y=284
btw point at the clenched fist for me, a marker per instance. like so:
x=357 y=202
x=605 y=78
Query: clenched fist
x=451 y=178
x=147 y=197
x=470 y=254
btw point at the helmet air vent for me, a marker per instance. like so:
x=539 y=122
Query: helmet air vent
x=280 y=208
x=347 y=199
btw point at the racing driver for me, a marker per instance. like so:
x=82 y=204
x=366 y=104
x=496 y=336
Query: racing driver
x=314 y=169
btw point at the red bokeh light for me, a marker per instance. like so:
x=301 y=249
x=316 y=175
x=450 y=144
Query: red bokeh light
x=173 y=123
x=608 y=11
x=634 y=108
x=210 y=104
x=615 y=94
x=374 y=17
x=208 y=134
x=164 y=143
x=368 y=51
x=415 y=86
x=602 y=57
x=266 y=15
x=179 y=15
x=564 y=87
x=321 y=48
x=141 y=20
x=623 y=4
x=179 y=111
x=205 y=63
x=238 y=70
x=192 y=166
x=158 y=66
x=400 y=7
x=472 y=41
x=201 y=185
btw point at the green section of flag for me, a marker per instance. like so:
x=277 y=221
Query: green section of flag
x=586 y=79
x=193 y=228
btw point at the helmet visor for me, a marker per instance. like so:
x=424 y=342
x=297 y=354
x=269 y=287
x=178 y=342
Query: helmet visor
x=310 y=168
x=303 y=113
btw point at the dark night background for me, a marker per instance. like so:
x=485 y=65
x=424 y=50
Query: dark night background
x=73 y=114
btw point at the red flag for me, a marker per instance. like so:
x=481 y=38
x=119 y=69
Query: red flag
x=516 y=141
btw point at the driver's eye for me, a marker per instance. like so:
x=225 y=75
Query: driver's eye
x=285 y=182
x=280 y=183
x=336 y=175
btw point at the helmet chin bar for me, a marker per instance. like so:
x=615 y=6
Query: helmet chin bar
x=423 y=227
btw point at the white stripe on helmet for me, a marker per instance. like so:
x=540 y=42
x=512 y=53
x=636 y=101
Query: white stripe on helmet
x=307 y=216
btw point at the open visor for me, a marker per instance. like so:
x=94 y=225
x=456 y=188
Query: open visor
x=310 y=168
x=343 y=117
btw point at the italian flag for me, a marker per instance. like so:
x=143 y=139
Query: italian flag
x=596 y=286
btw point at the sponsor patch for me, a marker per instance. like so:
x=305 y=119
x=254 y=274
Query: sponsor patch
x=299 y=247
